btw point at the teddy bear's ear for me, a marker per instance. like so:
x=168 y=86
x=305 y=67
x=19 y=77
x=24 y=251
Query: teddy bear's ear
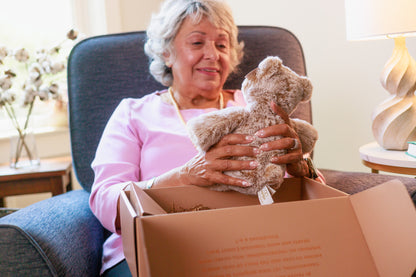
x=307 y=88
x=251 y=75
x=269 y=66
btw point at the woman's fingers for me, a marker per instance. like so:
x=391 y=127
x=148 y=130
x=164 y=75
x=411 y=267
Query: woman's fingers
x=208 y=169
x=280 y=112
x=201 y=171
x=221 y=178
x=229 y=165
x=287 y=158
x=283 y=130
x=233 y=145
x=228 y=151
x=286 y=143
x=233 y=139
x=299 y=168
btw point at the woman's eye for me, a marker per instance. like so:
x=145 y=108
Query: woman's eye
x=197 y=43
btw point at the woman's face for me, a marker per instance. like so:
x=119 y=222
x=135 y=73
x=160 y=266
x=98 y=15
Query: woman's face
x=201 y=59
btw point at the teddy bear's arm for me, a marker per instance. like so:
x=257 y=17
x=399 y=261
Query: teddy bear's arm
x=308 y=135
x=207 y=129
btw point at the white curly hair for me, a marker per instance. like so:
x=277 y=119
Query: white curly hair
x=164 y=26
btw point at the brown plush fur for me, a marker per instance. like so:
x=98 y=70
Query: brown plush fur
x=271 y=81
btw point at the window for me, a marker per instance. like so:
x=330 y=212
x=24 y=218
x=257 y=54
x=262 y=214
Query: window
x=33 y=25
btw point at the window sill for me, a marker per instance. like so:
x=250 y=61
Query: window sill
x=50 y=142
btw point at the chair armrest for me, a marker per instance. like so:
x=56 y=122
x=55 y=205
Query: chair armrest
x=56 y=237
x=353 y=182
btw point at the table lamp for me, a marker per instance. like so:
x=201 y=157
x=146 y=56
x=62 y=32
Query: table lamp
x=394 y=120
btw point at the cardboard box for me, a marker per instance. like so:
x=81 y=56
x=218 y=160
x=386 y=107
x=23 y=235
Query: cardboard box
x=313 y=230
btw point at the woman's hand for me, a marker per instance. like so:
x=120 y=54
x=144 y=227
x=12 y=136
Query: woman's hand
x=295 y=164
x=206 y=170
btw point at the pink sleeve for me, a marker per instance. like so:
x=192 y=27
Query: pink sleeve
x=116 y=162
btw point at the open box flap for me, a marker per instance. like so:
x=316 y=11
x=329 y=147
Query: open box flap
x=143 y=266
x=313 y=190
x=127 y=218
x=133 y=204
x=388 y=220
x=143 y=204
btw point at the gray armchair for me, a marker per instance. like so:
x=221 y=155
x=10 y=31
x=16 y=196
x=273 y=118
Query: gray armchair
x=60 y=236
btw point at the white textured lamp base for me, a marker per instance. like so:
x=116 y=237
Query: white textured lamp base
x=394 y=120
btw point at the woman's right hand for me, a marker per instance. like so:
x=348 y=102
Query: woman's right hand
x=208 y=169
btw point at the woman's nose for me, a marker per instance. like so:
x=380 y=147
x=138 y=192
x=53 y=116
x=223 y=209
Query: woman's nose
x=211 y=52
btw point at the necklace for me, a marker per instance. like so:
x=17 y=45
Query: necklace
x=176 y=106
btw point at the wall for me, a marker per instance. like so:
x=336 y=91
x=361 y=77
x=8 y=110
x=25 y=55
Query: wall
x=97 y=17
x=345 y=74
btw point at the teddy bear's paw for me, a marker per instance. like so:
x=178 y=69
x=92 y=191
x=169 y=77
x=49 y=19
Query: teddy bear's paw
x=273 y=175
x=308 y=135
x=240 y=174
x=252 y=190
x=220 y=187
x=207 y=129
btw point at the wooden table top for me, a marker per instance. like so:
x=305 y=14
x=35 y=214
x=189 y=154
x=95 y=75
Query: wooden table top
x=48 y=167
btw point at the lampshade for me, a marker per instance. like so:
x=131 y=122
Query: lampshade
x=375 y=19
x=394 y=120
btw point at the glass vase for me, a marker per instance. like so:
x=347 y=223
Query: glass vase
x=23 y=150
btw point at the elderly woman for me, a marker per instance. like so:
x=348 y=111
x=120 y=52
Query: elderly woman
x=193 y=48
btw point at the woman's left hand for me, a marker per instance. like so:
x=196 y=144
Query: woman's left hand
x=295 y=164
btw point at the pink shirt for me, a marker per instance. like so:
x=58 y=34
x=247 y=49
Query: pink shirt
x=143 y=138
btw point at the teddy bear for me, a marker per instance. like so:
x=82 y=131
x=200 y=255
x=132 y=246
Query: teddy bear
x=270 y=81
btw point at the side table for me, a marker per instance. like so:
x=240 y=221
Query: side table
x=378 y=158
x=52 y=175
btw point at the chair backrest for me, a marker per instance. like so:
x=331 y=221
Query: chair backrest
x=103 y=70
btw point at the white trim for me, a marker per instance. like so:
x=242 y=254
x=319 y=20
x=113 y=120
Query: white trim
x=113 y=16
x=90 y=16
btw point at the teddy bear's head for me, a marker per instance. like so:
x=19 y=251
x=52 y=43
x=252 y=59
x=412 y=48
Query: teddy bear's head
x=272 y=81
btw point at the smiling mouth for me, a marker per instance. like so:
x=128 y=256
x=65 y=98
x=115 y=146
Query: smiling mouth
x=210 y=70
